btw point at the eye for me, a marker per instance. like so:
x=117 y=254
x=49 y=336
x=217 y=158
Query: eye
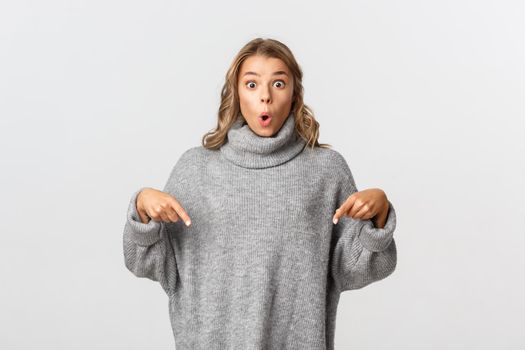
x=250 y=82
x=281 y=82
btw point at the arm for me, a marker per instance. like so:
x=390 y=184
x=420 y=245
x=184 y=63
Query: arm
x=362 y=253
x=148 y=247
x=148 y=250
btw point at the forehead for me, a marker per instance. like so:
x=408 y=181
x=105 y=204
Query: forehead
x=263 y=65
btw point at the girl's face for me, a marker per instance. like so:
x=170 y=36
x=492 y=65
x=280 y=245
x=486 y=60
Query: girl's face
x=265 y=87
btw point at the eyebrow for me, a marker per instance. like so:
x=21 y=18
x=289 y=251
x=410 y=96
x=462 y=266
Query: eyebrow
x=280 y=72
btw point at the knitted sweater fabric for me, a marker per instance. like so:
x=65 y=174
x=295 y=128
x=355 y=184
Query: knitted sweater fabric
x=262 y=265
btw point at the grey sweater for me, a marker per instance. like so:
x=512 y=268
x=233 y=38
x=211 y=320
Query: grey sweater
x=262 y=265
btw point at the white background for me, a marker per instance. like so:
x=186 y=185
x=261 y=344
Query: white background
x=424 y=99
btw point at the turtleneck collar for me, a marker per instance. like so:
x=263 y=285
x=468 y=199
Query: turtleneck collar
x=249 y=150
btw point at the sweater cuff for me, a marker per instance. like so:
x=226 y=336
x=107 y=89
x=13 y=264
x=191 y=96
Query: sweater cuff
x=142 y=234
x=378 y=239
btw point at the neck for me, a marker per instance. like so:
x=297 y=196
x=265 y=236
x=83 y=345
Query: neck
x=247 y=149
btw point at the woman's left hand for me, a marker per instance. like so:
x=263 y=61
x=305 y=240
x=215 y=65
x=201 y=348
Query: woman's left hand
x=367 y=204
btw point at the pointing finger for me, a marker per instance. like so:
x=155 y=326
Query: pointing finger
x=180 y=211
x=171 y=213
x=338 y=213
x=343 y=209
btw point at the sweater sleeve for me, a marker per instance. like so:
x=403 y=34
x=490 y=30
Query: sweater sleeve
x=148 y=251
x=362 y=254
x=149 y=248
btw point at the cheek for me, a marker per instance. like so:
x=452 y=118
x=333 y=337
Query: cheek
x=242 y=98
x=245 y=99
x=244 y=103
x=287 y=96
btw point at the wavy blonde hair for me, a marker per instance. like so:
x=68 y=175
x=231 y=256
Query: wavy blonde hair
x=229 y=111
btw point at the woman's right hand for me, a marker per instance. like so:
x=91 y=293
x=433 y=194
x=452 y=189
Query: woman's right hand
x=160 y=206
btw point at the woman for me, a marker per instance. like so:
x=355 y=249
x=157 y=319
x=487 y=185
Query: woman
x=273 y=228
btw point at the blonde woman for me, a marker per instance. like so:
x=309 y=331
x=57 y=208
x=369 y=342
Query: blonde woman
x=258 y=231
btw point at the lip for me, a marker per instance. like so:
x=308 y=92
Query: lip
x=265 y=123
x=265 y=113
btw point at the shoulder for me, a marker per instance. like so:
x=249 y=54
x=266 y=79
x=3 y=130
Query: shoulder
x=187 y=166
x=195 y=155
x=332 y=163
x=328 y=158
x=193 y=159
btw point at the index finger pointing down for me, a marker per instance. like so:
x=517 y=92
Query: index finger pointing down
x=180 y=211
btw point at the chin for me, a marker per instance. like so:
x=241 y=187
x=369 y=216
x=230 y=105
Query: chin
x=265 y=132
x=261 y=131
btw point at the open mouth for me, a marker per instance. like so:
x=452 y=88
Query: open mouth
x=265 y=119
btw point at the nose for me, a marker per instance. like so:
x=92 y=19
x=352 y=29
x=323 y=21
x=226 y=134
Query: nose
x=265 y=96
